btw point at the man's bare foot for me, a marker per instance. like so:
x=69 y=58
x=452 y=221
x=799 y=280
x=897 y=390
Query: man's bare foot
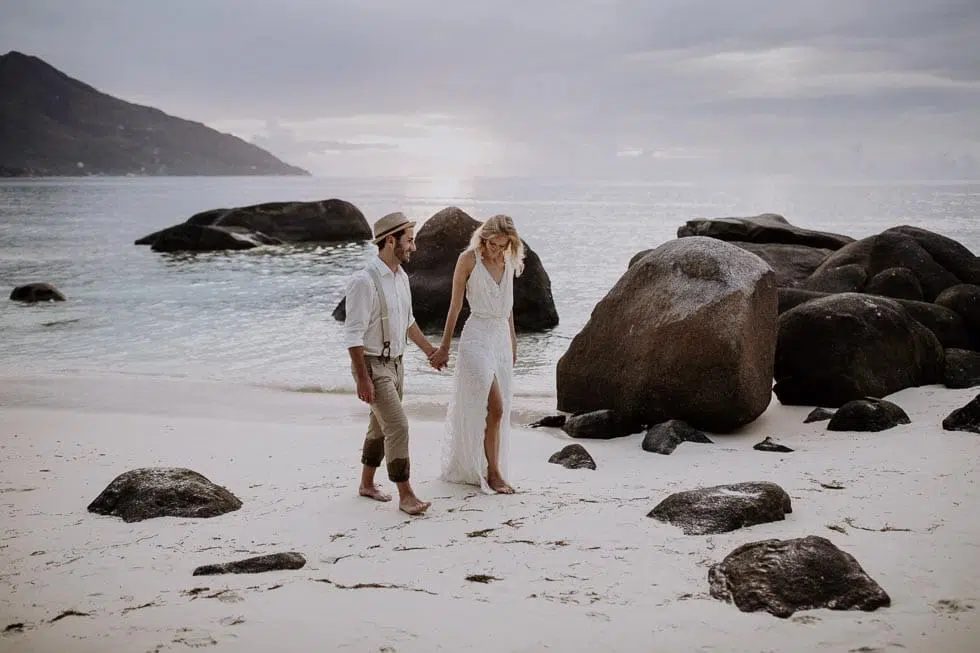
x=413 y=506
x=499 y=485
x=374 y=492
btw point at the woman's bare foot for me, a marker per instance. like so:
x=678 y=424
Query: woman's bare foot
x=374 y=492
x=499 y=485
x=413 y=506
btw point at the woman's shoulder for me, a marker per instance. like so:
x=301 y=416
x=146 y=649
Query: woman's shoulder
x=468 y=258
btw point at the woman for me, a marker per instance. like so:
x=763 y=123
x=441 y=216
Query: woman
x=478 y=420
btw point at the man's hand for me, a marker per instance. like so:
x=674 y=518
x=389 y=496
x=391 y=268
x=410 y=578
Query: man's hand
x=439 y=358
x=365 y=389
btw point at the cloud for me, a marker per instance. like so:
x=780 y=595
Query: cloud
x=540 y=88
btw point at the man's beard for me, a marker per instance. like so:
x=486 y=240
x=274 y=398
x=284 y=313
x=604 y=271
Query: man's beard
x=402 y=254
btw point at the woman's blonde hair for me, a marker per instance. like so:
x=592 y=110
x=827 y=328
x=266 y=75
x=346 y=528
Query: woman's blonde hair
x=500 y=225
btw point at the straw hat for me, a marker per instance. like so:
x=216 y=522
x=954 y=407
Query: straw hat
x=391 y=224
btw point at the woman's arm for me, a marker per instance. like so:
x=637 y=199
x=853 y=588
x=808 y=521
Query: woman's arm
x=464 y=267
x=513 y=337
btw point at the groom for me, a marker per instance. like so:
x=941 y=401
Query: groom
x=379 y=317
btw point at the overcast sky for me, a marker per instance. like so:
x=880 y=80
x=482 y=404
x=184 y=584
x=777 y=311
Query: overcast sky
x=611 y=88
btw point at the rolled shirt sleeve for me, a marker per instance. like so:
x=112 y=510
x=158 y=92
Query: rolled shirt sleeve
x=359 y=303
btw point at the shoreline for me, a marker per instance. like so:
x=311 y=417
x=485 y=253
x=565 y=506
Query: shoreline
x=579 y=565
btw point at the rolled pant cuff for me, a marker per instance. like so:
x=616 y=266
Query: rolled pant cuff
x=374 y=453
x=398 y=470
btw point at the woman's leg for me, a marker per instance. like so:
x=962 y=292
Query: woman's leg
x=491 y=440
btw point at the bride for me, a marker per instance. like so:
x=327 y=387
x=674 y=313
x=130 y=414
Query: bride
x=478 y=420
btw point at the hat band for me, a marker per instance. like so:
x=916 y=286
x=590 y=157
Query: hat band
x=392 y=230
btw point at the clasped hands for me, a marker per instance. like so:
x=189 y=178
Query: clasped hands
x=439 y=357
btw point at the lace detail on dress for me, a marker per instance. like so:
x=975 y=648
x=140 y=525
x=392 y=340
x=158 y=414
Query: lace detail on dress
x=484 y=353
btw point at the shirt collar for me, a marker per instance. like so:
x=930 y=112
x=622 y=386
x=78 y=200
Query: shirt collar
x=383 y=267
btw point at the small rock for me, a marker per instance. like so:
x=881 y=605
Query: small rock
x=552 y=421
x=869 y=414
x=966 y=418
x=818 y=415
x=256 y=565
x=784 y=576
x=163 y=492
x=574 y=456
x=600 y=425
x=770 y=445
x=663 y=438
x=724 y=508
x=481 y=578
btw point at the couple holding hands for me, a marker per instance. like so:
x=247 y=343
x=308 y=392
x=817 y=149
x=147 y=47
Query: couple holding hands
x=380 y=322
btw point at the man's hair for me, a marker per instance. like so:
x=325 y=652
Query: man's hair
x=398 y=234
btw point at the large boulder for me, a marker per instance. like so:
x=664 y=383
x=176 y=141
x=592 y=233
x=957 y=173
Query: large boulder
x=899 y=283
x=850 y=346
x=440 y=241
x=946 y=324
x=964 y=298
x=323 y=221
x=935 y=261
x=31 y=293
x=966 y=418
x=783 y=576
x=962 y=369
x=151 y=492
x=793 y=264
x=765 y=228
x=687 y=333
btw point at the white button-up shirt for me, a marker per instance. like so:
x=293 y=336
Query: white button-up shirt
x=363 y=324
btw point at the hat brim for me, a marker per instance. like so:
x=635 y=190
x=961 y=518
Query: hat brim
x=393 y=230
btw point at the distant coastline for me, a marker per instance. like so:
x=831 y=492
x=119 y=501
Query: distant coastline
x=52 y=125
x=16 y=172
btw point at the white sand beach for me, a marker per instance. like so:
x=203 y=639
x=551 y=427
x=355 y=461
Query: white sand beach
x=576 y=564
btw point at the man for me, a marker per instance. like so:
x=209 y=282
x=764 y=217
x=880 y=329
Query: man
x=376 y=347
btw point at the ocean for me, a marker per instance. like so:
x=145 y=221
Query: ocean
x=263 y=316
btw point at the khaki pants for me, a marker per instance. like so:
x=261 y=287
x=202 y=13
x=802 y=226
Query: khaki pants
x=387 y=435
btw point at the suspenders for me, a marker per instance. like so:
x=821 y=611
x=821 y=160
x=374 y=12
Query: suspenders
x=385 y=327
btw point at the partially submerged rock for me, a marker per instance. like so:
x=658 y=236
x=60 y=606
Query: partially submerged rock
x=724 y=508
x=322 y=221
x=663 y=438
x=256 y=565
x=784 y=576
x=966 y=418
x=206 y=238
x=151 y=492
x=868 y=414
x=32 y=293
x=574 y=456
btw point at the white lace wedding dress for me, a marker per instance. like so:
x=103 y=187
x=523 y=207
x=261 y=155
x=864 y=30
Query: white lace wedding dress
x=484 y=354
